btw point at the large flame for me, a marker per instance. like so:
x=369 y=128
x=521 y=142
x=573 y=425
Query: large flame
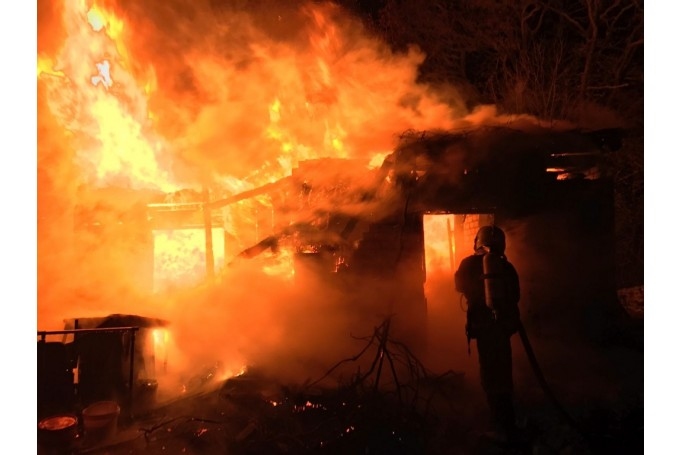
x=165 y=96
x=94 y=96
x=237 y=103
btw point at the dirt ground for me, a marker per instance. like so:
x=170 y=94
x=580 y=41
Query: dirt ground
x=598 y=385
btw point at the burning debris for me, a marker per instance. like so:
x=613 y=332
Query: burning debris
x=254 y=413
x=382 y=399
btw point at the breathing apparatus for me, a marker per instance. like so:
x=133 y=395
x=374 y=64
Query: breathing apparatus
x=490 y=242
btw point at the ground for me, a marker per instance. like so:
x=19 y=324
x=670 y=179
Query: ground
x=597 y=382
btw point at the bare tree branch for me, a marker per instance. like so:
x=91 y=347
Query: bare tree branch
x=581 y=29
x=608 y=87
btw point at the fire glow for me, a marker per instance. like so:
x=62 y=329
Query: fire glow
x=179 y=256
x=233 y=115
x=101 y=104
x=320 y=96
x=131 y=96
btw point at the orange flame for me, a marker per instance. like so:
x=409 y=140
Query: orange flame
x=150 y=102
x=101 y=103
x=337 y=94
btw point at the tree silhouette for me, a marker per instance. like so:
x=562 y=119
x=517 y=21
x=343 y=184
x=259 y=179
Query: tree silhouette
x=559 y=60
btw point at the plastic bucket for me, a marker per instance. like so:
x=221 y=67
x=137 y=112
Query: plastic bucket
x=100 y=420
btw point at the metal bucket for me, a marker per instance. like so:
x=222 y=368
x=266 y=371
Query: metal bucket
x=145 y=395
x=58 y=432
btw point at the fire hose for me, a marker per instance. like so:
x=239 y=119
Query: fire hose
x=541 y=378
x=495 y=294
x=547 y=390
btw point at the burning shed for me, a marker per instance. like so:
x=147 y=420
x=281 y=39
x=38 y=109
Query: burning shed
x=341 y=220
x=246 y=184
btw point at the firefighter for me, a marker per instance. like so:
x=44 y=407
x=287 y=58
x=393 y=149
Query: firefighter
x=490 y=285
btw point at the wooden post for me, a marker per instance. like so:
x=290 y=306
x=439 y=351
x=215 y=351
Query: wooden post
x=132 y=373
x=207 y=220
x=449 y=234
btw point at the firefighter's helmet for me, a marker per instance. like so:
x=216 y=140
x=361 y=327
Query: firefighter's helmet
x=491 y=238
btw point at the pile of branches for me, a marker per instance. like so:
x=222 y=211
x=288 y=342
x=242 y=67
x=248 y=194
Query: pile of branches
x=384 y=409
